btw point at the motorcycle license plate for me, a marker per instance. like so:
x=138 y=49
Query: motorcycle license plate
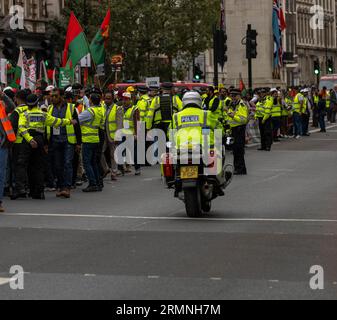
x=189 y=172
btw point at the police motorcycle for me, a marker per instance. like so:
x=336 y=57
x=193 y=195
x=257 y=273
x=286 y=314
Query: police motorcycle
x=198 y=175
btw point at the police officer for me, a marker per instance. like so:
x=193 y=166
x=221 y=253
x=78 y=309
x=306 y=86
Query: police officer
x=32 y=126
x=238 y=114
x=276 y=114
x=212 y=102
x=162 y=108
x=143 y=103
x=263 y=115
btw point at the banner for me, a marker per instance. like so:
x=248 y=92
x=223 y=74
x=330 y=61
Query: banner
x=66 y=77
x=31 y=63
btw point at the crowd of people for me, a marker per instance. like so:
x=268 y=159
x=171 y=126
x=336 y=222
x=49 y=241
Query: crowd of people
x=56 y=139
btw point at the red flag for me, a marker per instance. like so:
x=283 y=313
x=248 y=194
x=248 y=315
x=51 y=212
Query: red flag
x=74 y=30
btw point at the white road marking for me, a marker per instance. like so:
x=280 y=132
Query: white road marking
x=215 y=279
x=153 y=277
x=102 y=216
x=5 y=281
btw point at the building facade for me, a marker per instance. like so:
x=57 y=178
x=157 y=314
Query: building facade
x=36 y=14
x=310 y=36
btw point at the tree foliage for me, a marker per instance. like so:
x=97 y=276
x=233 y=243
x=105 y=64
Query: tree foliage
x=150 y=34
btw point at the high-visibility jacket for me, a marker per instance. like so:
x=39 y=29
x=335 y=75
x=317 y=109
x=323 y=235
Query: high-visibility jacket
x=241 y=115
x=111 y=122
x=286 y=108
x=36 y=120
x=305 y=105
x=328 y=100
x=297 y=103
x=90 y=130
x=276 y=110
x=70 y=129
x=143 y=106
x=20 y=109
x=154 y=114
x=259 y=112
x=6 y=124
x=268 y=107
x=128 y=121
x=190 y=125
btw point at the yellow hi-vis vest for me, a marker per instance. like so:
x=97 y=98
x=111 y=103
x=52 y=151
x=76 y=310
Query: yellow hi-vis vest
x=276 y=111
x=190 y=124
x=70 y=129
x=128 y=123
x=259 y=113
x=297 y=103
x=90 y=131
x=19 y=110
x=143 y=106
x=241 y=114
x=111 y=122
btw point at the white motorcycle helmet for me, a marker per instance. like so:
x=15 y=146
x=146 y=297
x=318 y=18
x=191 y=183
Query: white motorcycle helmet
x=193 y=98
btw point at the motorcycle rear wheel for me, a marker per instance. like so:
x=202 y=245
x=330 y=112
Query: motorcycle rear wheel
x=193 y=202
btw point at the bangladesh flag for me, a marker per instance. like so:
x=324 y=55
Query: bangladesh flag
x=19 y=73
x=76 y=46
x=99 y=44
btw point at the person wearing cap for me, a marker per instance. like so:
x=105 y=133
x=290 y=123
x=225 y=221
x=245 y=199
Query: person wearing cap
x=62 y=142
x=162 y=108
x=276 y=113
x=262 y=115
x=113 y=123
x=143 y=103
x=92 y=120
x=32 y=127
x=298 y=107
x=154 y=92
x=130 y=129
x=238 y=116
x=212 y=102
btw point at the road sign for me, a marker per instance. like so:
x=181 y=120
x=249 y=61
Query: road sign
x=153 y=82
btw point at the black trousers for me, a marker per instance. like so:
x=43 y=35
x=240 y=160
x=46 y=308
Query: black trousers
x=266 y=132
x=29 y=169
x=239 y=135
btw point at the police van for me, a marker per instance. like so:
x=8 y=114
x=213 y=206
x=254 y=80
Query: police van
x=328 y=81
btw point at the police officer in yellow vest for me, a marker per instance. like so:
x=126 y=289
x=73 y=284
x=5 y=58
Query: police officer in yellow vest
x=263 y=115
x=62 y=143
x=32 y=127
x=238 y=115
x=113 y=123
x=276 y=113
x=192 y=120
x=143 y=103
x=162 y=108
x=92 y=120
x=212 y=103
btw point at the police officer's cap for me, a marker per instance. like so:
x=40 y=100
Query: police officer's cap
x=142 y=89
x=32 y=100
x=235 y=92
x=167 y=86
x=154 y=88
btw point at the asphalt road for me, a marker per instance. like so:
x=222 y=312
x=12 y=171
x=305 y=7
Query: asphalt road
x=133 y=241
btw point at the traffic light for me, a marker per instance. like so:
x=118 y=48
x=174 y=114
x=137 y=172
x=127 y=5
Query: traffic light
x=47 y=53
x=222 y=48
x=331 y=66
x=317 y=67
x=197 y=73
x=10 y=51
x=251 y=44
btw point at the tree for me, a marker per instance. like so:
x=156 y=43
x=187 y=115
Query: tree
x=150 y=34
